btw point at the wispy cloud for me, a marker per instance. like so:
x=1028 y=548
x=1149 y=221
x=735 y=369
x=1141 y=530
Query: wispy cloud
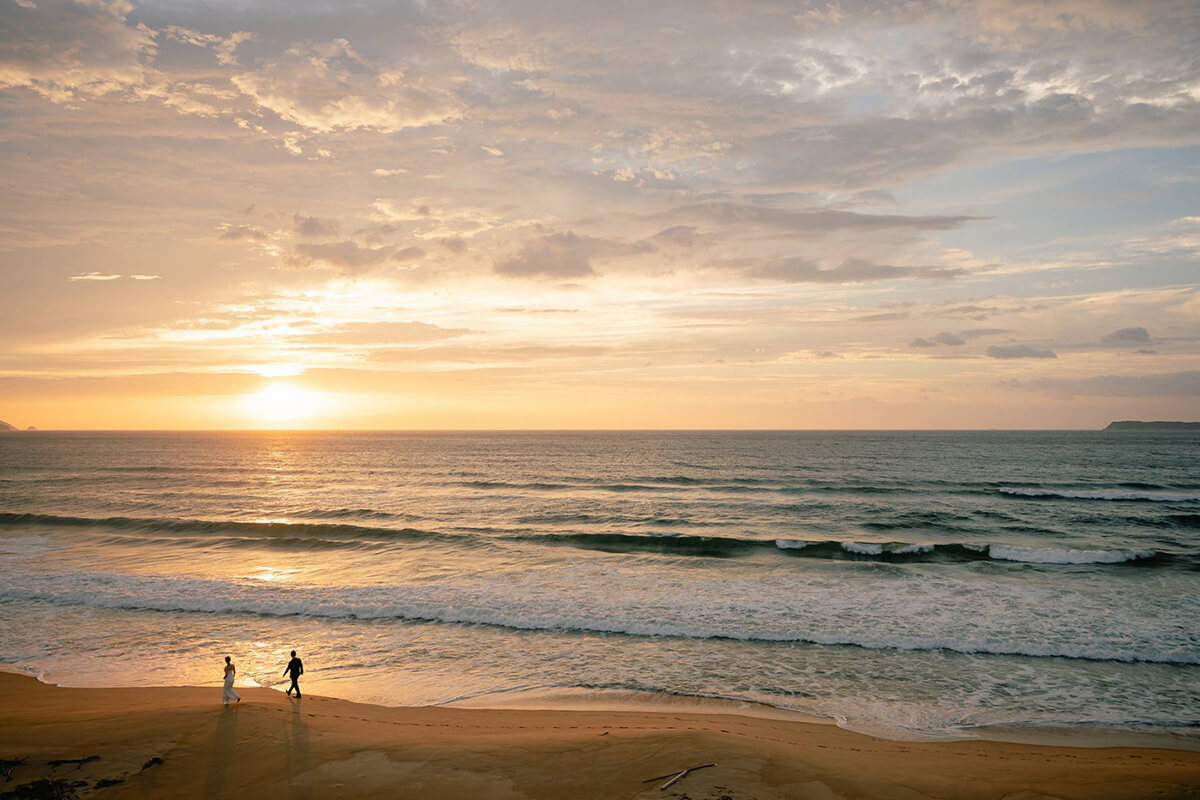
x=95 y=276
x=1008 y=351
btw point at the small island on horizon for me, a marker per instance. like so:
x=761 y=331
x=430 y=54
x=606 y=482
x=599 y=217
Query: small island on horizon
x=1138 y=425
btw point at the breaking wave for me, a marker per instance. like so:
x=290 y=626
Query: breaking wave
x=312 y=535
x=1128 y=495
x=900 y=621
x=265 y=528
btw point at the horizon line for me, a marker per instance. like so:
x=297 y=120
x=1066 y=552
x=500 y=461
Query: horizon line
x=556 y=430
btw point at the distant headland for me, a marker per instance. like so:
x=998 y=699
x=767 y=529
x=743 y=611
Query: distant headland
x=4 y=426
x=1136 y=425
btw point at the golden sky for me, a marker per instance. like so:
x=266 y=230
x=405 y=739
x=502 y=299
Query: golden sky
x=598 y=215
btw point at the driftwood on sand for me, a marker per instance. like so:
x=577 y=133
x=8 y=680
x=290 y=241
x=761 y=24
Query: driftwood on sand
x=674 y=776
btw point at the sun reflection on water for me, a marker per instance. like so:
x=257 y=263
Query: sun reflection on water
x=272 y=574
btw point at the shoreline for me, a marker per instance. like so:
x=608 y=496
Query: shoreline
x=274 y=746
x=587 y=700
x=572 y=699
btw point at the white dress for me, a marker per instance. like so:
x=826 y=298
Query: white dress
x=228 y=695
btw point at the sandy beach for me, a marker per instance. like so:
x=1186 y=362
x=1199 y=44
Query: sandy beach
x=180 y=742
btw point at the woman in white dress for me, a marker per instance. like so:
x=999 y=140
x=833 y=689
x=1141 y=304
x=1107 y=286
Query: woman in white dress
x=228 y=695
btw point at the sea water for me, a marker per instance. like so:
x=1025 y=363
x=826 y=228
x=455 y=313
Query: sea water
x=910 y=584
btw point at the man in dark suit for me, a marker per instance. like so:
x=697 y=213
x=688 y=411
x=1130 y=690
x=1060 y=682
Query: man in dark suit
x=295 y=668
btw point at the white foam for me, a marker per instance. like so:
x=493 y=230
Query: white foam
x=863 y=548
x=792 y=544
x=1006 y=552
x=912 y=548
x=902 y=610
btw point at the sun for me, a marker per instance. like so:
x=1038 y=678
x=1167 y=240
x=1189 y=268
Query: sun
x=281 y=405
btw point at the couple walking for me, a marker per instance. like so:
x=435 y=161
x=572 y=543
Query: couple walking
x=295 y=669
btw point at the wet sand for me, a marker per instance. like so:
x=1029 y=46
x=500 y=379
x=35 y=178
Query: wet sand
x=271 y=746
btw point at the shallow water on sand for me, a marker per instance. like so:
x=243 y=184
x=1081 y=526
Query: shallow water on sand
x=914 y=584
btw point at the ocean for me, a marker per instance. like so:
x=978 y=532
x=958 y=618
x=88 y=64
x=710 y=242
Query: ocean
x=907 y=584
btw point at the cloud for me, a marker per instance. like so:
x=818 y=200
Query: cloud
x=1127 y=336
x=66 y=50
x=683 y=237
x=1019 y=18
x=314 y=227
x=563 y=255
x=1018 y=351
x=811 y=221
x=975 y=333
x=383 y=333
x=353 y=258
x=852 y=270
x=873 y=197
x=95 y=276
x=107 y=276
x=486 y=355
x=885 y=316
x=410 y=253
x=951 y=339
x=224 y=46
x=329 y=86
x=945 y=337
x=1168 y=384
x=233 y=233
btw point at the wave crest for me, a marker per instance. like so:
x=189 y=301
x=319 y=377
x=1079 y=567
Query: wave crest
x=899 y=620
x=312 y=535
x=1127 y=495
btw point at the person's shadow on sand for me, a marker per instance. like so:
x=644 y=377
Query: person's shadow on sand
x=224 y=744
x=299 y=761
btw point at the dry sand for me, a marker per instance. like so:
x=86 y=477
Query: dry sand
x=271 y=746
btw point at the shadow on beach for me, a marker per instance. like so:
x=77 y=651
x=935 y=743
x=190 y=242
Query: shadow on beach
x=223 y=750
x=299 y=760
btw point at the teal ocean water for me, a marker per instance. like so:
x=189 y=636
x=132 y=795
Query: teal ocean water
x=910 y=584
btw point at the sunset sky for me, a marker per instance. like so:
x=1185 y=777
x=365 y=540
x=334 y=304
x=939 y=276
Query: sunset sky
x=248 y=214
